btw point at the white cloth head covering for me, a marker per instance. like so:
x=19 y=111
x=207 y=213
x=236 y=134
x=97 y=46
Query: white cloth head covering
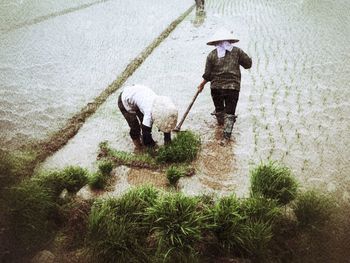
x=164 y=114
x=222 y=34
x=221 y=48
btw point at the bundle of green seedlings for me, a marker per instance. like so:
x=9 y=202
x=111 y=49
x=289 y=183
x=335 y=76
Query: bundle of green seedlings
x=34 y=205
x=174 y=157
x=148 y=225
x=36 y=209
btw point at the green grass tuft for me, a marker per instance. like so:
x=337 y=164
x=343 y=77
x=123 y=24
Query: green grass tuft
x=259 y=209
x=175 y=172
x=227 y=224
x=177 y=226
x=183 y=148
x=273 y=182
x=98 y=180
x=313 y=209
x=256 y=237
x=31 y=207
x=117 y=228
x=105 y=167
x=71 y=178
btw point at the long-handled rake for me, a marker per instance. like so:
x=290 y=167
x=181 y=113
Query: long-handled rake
x=178 y=127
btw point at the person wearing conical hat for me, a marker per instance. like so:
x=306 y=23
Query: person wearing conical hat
x=141 y=108
x=222 y=70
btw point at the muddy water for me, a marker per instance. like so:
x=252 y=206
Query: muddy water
x=293 y=106
x=57 y=56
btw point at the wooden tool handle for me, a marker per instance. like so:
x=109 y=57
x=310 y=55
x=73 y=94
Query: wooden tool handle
x=178 y=127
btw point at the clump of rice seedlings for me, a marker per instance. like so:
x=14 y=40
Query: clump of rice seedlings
x=98 y=180
x=75 y=178
x=175 y=172
x=141 y=160
x=31 y=207
x=256 y=237
x=13 y=167
x=313 y=209
x=273 y=182
x=228 y=224
x=117 y=230
x=173 y=175
x=259 y=209
x=183 y=148
x=105 y=167
x=71 y=178
x=177 y=226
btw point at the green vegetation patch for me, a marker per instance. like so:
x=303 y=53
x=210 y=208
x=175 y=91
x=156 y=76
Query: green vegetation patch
x=142 y=160
x=313 y=209
x=273 y=181
x=175 y=172
x=31 y=209
x=105 y=167
x=227 y=224
x=177 y=226
x=183 y=148
x=117 y=230
x=71 y=178
x=98 y=180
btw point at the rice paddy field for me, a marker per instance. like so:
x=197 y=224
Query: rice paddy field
x=57 y=56
x=293 y=105
x=293 y=109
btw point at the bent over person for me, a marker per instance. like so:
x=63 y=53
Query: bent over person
x=222 y=69
x=142 y=108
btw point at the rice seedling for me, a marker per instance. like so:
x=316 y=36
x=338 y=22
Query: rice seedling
x=256 y=237
x=117 y=230
x=177 y=226
x=183 y=148
x=313 y=209
x=259 y=209
x=13 y=167
x=273 y=181
x=173 y=175
x=31 y=207
x=98 y=180
x=105 y=167
x=142 y=160
x=175 y=172
x=228 y=224
x=71 y=178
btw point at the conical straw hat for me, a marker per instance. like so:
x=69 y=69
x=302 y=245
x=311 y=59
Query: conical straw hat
x=164 y=114
x=222 y=35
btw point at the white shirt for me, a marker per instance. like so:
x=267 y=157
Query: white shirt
x=142 y=98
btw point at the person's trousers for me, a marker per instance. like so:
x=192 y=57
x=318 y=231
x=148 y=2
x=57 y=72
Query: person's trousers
x=225 y=100
x=134 y=120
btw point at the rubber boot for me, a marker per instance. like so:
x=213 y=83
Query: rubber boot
x=137 y=143
x=230 y=120
x=220 y=117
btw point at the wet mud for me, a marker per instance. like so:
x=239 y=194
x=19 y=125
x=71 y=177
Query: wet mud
x=138 y=177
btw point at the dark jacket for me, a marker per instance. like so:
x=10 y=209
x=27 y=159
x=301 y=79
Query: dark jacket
x=225 y=73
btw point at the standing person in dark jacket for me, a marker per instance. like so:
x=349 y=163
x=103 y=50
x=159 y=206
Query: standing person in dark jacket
x=142 y=108
x=222 y=69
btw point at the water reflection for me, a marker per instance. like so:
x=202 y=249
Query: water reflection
x=200 y=13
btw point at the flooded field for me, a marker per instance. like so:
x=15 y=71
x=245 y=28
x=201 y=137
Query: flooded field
x=293 y=106
x=57 y=56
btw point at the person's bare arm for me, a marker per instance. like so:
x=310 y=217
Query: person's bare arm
x=201 y=86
